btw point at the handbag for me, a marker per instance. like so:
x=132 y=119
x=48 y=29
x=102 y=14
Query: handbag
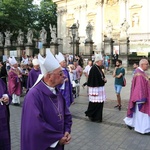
x=75 y=83
x=124 y=82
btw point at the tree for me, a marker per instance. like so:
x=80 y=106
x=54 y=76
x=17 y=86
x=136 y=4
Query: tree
x=22 y=14
x=47 y=15
x=17 y=14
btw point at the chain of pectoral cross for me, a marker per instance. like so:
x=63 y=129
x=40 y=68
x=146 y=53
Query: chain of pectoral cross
x=57 y=108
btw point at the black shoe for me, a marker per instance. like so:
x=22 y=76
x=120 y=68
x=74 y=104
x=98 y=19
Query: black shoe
x=98 y=121
x=16 y=104
x=147 y=133
x=119 y=107
x=90 y=118
x=129 y=127
x=116 y=106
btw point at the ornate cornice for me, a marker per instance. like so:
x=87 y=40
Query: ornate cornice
x=124 y=1
x=111 y=2
x=99 y=2
x=61 y=11
x=80 y=7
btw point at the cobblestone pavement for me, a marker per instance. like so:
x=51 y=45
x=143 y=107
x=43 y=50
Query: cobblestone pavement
x=111 y=134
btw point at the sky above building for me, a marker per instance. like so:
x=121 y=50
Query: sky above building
x=36 y=2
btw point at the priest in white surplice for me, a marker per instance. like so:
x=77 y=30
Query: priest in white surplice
x=138 y=114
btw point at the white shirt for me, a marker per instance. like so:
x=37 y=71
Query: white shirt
x=87 y=69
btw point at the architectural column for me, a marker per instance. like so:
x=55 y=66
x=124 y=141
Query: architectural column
x=124 y=51
x=58 y=23
x=82 y=25
x=64 y=28
x=19 y=52
x=7 y=51
x=99 y=24
x=123 y=11
x=61 y=28
x=82 y=20
x=148 y=15
x=77 y=13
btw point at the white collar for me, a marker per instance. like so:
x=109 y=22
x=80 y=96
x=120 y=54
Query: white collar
x=52 y=89
x=141 y=69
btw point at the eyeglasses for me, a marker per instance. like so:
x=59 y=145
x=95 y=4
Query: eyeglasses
x=60 y=73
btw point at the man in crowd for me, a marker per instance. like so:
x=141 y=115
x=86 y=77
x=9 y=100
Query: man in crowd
x=115 y=57
x=34 y=73
x=14 y=81
x=86 y=71
x=118 y=74
x=135 y=66
x=66 y=87
x=138 y=114
x=96 y=82
x=5 y=100
x=46 y=120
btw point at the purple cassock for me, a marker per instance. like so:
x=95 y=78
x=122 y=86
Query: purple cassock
x=67 y=91
x=45 y=119
x=32 y=77
x=4 y=120
x=14 y=83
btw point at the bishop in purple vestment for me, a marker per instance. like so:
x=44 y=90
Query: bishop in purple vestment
x=46 y=120
x=66 y=87
x=33 y=74
x=14 y=81
x=4 y=117
x=32 y=77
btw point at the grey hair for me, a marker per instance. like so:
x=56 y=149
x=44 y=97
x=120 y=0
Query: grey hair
x=48 y=73
x=142 y=61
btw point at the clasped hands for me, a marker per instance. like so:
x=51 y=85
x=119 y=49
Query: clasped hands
x=4 y=99
x=19 y=76
x=65 y=139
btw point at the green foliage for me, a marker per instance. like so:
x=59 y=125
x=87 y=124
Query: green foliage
x=22 y=14
x=47 y=15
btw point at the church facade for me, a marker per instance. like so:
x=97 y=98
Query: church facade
x=100 y=13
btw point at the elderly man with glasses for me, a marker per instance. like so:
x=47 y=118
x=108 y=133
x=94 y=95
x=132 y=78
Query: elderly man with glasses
x=46 y=119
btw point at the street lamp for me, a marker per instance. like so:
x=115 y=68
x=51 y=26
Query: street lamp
x=74 y=29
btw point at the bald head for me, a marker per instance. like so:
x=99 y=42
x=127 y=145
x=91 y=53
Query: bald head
x=144 y=64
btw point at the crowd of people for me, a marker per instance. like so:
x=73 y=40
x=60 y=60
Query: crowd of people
x=52 y=83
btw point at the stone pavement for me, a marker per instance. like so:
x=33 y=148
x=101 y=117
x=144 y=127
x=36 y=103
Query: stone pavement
x=111 y=134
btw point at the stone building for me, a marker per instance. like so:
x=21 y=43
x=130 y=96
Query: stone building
x=99 y=13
